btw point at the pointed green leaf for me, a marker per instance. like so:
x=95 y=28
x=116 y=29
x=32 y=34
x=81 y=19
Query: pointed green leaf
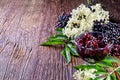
x=113 y=77
x=51 y=43
x=108 y=77
x=90 y=79
x=101 y=72
x=99 y=68
x=84 y=67
x=118 y=71
x=107 y=62
x=99 y=79
x=66 y=54
x=73 y=49
x=58 y=38
x=59 y=30
x=111 y=59
x=63 y=53
x=91 y=66
x=104 y=64
x=89 y=2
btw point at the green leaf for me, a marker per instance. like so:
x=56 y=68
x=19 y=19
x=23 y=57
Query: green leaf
x=113 y=77
x=59 y=30
x=63 y=53
x=89 y=2
x=101 y=72
x=99 y=68
x=111 y=59
x=105 y=64
x=90 y=79
x=72 y=49
x=58 y=38
x=84 y=67
x=118 y=71
x=51 y=43
x=66 y=54
x=55 y=40
x=108 y=77
x=99 y=78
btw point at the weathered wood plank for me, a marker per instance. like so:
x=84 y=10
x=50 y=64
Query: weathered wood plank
x=24 y=24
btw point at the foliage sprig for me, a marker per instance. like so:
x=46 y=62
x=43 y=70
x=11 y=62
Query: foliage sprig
x=105 y=68
x=61 y=39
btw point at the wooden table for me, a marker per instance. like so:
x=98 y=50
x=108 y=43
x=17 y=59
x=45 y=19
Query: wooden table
x=24 y=24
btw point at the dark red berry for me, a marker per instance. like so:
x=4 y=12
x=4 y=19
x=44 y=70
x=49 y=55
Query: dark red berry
x=91 y=47
x=81 y=42
x=95 y=44
x=89 y=44
x=87 y=35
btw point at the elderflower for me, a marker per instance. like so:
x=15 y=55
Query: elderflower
x=84 y=74
x=83 y=18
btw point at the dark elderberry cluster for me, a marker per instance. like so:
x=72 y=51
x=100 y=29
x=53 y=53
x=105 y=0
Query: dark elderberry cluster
x=111 y=32
x=62 y=20
x=115 y=50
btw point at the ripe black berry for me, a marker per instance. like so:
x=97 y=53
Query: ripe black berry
x=62 y=20
x=111 y=32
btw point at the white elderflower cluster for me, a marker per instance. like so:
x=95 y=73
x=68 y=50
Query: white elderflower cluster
x=84 y=74
x=83 y=18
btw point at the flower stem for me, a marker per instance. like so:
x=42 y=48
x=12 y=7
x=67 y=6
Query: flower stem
x=114 y=70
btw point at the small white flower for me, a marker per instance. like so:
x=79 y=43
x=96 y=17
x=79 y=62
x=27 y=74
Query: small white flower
x=83 y=18
x=84 y=74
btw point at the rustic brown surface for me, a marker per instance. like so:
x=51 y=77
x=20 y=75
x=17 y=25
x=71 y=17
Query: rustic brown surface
x=24 y=24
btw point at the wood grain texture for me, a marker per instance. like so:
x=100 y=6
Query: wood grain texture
x=24 y=24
